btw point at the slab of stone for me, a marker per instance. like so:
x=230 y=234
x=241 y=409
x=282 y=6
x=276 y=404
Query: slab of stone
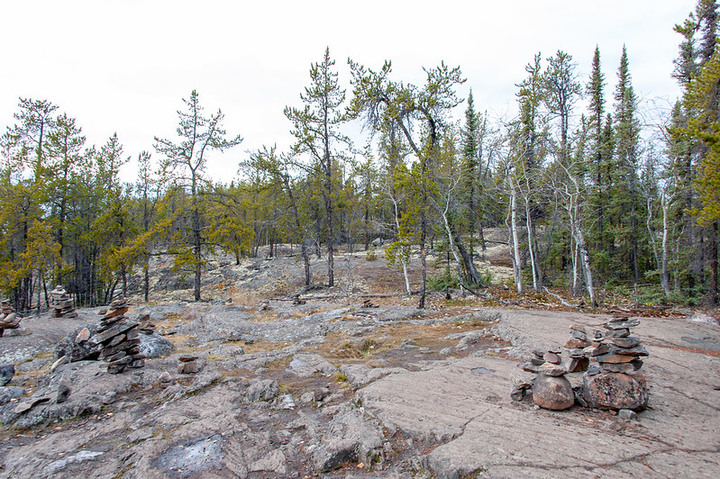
x=614 y=358
x=551 y=358
x=626 y=342
x=308 y=364
x=554 y=370
x=638 y=350
x=575 y=343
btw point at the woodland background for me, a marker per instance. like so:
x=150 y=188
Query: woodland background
x=596 y=190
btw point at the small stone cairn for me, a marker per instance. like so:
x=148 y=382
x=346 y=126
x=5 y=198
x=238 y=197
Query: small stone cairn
x=616 y=383
x=189 y=364
x=61 y=303
x=119 y=339
x=8 y=317
x=613 y=383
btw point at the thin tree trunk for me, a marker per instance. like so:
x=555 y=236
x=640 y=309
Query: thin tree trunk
x=664 y=278
x=585 y=261
x=531 y=247
x=516 y=241
x=396 y=225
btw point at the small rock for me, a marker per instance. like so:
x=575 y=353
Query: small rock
x=83 y=335
x=7 y=371
x=192 y=367
x=575 y=365
x=63 y=393
x=618 y=333
x=551 y=358
x=628 y=414
x=627 y=342
x=574 y=343
x=529 y=367
x=638 y=350
x=600 y=349
x=262 y=390
x=553 y=370
x=165 y=377
x=614 y=358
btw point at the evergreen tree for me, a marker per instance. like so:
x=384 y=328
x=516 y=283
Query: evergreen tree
x=316 y=129
x=185 y=163
x=624 y=193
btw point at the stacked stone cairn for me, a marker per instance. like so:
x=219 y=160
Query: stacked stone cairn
x=612 y=383
x=61 y=303
x=8 y=317
x=119 y=339
x=551 y=389
x=189 y=364
x=615 y=383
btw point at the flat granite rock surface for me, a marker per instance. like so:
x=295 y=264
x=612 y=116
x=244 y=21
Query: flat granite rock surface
x=328 y=390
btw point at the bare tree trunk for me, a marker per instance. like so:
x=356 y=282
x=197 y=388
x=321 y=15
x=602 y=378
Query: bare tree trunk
x=585 y=261
x=575 y=254
x=516 y=241
x=466 y=269
x=531 y=247
x=664 y=276
x=396 y=223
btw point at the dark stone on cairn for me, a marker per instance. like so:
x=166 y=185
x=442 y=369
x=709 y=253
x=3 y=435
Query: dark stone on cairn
x=576 y=365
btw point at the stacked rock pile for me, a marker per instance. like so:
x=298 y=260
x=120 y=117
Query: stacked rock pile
x=8 y=317
x=551 y=389
x=61 y=303
x=616 y=383
x=612 y=383
x=146 y=327
x=119 y=339
x=188 y=364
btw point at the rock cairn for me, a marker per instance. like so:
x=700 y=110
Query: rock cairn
x=8 y=317
x=119 y=339
x=189 y=364
x=612 y=383
x=616 y=383
x=61 y=303
x=551 y=389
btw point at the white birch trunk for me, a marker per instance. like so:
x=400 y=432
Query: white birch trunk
x=516 y=241
x=531 y=249
x=664 y=277
x=451 y=240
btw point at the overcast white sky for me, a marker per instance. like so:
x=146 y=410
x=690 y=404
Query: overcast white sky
x=124 y=65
